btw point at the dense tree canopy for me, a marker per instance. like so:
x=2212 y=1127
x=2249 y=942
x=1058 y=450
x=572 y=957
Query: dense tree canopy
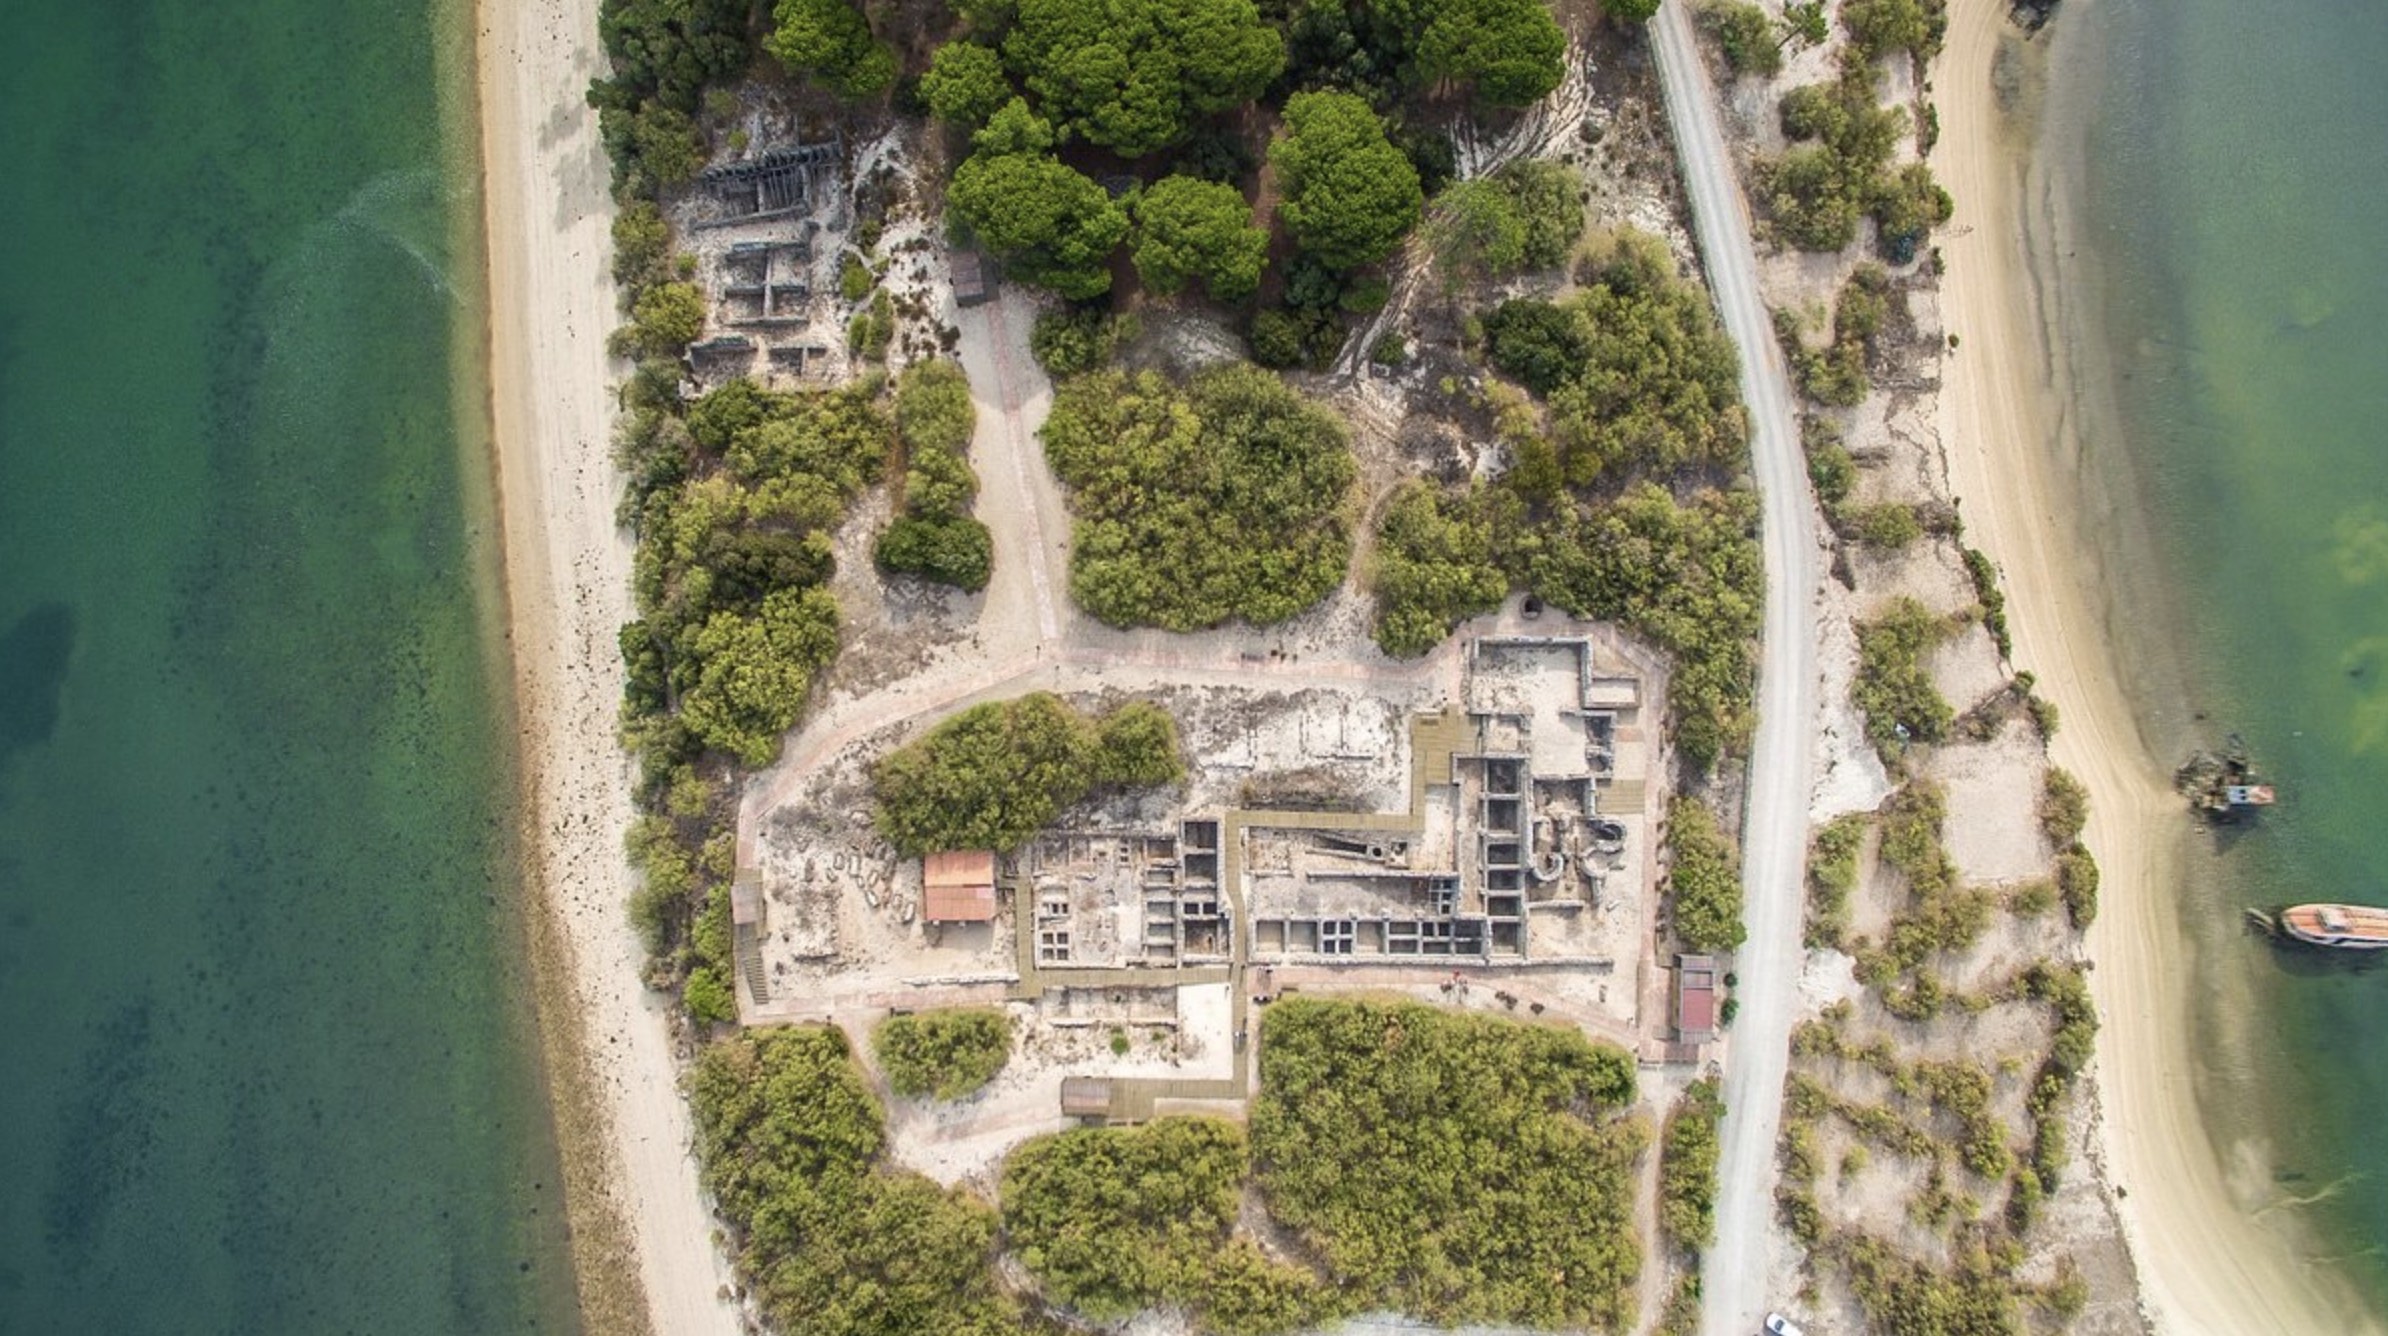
x=1524 y=216
x=663 y=54
x=1134 y=75
x=1687 y=576
x=1455 y=1166
x=1703 y=878
x=1436 y=564
x=1195 y=231
x=935 y=537
x=1350 y=195
x=1636 y=369
x=1051 y=224
x=831 y=1241
x=831 y=40
x=996 y=774
x=732 y=546
x=965 y=84
x=1220 y=499
x=1510 y=51
x=1687 y=1167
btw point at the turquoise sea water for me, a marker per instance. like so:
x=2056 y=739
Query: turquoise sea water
x=2234 y=195
x=266 y=1063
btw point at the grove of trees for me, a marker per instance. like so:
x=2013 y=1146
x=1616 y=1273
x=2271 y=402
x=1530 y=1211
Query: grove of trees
x=948 y=1054
x=1112 y=1221
x=1455 y=1166
x=831 y=1240
x=1221 y=498
x=995 y=774
x=1703 y=879
x=935 y=537
x=1350 y=196
x=1193 y=231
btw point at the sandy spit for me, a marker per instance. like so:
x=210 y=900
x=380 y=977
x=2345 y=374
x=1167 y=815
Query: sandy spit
x=642 y=1237
x=2205 y=1264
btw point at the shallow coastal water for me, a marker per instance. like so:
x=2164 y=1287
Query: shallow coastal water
x=269 y=1062
x=2222 y=162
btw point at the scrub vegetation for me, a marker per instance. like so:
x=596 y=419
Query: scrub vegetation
x=996 y=774
x=946 y=1055
x=935 y=537
x=1222 y=498
x=1457 y=1167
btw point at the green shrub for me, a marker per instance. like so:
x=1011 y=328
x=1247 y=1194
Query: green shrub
x=1073 y=339
x=827 y=1238
x=707 y=996
x=1994 y=616
x=1688 y=576
x=2064 y=807
x=935 y=538
x=1704 y=880
x=1635 y=367
x=1891 y=525
x=1745 y=35
x=2077 y=881
x=945 y=1055
x=1894 y=687
x=1458 y=1167
x=873 y=329
x=1222 y=499
x=1435 y=567
x=1687 y=1167
x=995 y=774
x=953 y=550
x=1832 y=874
x=854 y=278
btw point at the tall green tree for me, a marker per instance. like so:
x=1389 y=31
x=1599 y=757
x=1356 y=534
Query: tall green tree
x=1194 y=231
x=1052 y=225
x=831 y=40
x=1350 y=195
x=1510 y=51
x=1133 y=75
x=965 y=84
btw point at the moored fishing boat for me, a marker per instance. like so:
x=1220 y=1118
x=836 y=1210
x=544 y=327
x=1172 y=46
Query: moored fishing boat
x=2346 y=927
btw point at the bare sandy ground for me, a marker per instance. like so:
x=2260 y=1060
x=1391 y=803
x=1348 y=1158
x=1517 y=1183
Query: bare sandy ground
x=2206 y=1264
x=642 y=1234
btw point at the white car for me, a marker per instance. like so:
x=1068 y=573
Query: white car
x=1778 y=1325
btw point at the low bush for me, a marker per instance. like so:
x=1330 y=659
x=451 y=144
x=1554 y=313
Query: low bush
x=1458 y=1167
x=1745 y=35
x=945 y=1055
x=827 y=1237
x=2064 y=807
x=1687 y=1167
x=2077 y=882
x=1832 y=874
x=996 y=774
x=1222 y=499
x=935 y=538
x=1894 y=687
x=1703 y=880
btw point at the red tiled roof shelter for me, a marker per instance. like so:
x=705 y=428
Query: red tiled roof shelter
x=958 y=886
x=1695 y=998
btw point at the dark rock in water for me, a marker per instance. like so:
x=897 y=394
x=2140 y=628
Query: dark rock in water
x=33 y=659
x=2033 y=15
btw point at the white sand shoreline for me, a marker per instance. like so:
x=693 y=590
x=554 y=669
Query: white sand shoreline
x=643 y=1245
x=2204 y=1262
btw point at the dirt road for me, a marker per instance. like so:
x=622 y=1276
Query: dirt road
x=1775 y=827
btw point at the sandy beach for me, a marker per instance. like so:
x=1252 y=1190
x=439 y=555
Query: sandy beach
x=2205 y=1264
x=642 y=1234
